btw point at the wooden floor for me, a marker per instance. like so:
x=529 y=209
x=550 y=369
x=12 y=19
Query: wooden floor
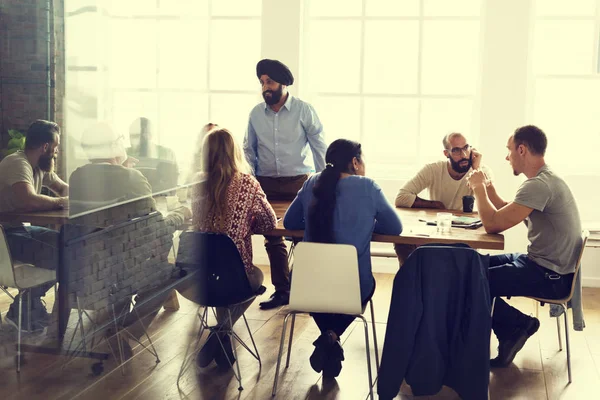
x=539 y=371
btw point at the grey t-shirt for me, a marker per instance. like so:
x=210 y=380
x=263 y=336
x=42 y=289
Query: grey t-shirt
x=554 y=226
x=96 y=185
x=15 y=168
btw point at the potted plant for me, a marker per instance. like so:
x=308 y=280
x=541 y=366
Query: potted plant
x=16 y=142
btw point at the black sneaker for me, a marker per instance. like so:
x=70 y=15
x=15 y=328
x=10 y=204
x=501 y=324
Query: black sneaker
x=225 y=360
x=333 y=363
x=277 y=299
x=508 y=348
x=12 y=318
x=319 y=355
x=39 y=314
x=208 y=351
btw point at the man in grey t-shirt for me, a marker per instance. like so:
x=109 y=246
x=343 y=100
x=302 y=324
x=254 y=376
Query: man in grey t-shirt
x=546 y=205
x=22 y=175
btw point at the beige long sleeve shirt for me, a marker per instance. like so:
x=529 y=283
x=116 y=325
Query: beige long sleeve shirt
x=441 y=186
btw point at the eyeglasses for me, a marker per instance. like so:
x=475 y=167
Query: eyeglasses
x=457 y=151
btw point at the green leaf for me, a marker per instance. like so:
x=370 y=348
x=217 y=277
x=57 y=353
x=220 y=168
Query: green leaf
x=15 y=134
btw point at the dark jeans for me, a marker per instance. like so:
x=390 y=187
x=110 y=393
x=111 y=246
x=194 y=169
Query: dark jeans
x=280 y=188
x=37 y=246
x=517 y=275
x=338 y=323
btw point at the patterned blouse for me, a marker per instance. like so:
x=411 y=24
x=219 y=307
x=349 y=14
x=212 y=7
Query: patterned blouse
x=248 y=212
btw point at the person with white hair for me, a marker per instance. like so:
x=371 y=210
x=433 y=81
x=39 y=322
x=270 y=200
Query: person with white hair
x=109 y=181
x=108 y=178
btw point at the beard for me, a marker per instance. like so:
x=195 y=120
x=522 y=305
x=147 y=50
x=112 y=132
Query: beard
x=274 y=97
x=460 y=168
x=46 y=162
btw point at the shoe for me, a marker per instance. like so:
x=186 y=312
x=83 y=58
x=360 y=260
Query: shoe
x=40 y=318
x=208 y=351
x=12 y=319
x=277 y=299
x=508 y=348
x=225 y=360
x=319 y=355
x=333 y=363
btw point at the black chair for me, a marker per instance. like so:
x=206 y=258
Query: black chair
x=161 y=174
x=220 y=281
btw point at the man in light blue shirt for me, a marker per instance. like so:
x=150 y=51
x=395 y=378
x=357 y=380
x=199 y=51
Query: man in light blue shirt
x=280 y=131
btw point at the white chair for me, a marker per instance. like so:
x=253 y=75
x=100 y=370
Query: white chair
x=23 y=277
x=325 y=280
x=563 y=302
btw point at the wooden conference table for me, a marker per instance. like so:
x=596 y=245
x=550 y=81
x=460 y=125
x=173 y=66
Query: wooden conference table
x=415 y=232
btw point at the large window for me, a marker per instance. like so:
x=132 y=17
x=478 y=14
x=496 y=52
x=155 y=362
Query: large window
x=565 y=96
x=394 y=75
x=179 y=63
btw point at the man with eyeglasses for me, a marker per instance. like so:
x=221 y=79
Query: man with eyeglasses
x=445 y=180
x=22 y=176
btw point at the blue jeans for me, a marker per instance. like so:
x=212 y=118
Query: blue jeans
x=517 y=275
x=37 y=246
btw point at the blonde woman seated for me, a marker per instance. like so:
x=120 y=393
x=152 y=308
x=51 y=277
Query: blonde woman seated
x=229 y=200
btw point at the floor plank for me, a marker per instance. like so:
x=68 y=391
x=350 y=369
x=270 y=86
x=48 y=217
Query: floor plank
x=539 y=370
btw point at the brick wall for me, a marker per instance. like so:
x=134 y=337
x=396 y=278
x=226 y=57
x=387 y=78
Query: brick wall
x=24 y=93
x=126 y=260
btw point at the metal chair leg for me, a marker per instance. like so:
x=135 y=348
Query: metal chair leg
x=558 y=331
x=253 y=343
x=285 y=320
x=29 y=310
x=374 y=334
x=186 y=358
x=289 y=352
x=232 y=341
x=19 y=335
x=366 y=326
x=568 y=344
x=118 y=336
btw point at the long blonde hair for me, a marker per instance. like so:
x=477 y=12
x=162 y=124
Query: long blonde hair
x=222 y=160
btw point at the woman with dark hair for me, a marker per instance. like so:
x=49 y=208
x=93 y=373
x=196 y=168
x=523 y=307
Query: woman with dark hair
x=341 y=205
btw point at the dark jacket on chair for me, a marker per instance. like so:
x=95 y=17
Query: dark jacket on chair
x=439 y=325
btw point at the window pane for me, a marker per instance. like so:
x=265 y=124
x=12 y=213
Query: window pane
x=131 y=7
x=450 y=57
x=81 y=47
x=182 y=116
x=387 y=8
x=132 y=54
x=128 y=106
x=178 y=66
x=390 y=137
x=567 y=110
x=445 y=8
x=580 y=8
x=233 y=57
x=188 y=8
x=564 y=47
x=335 y=8
x=440 y=117
x=340 y=117
x=393 y=71
x=231 y=111
x=334 y=56
x=228 y=8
